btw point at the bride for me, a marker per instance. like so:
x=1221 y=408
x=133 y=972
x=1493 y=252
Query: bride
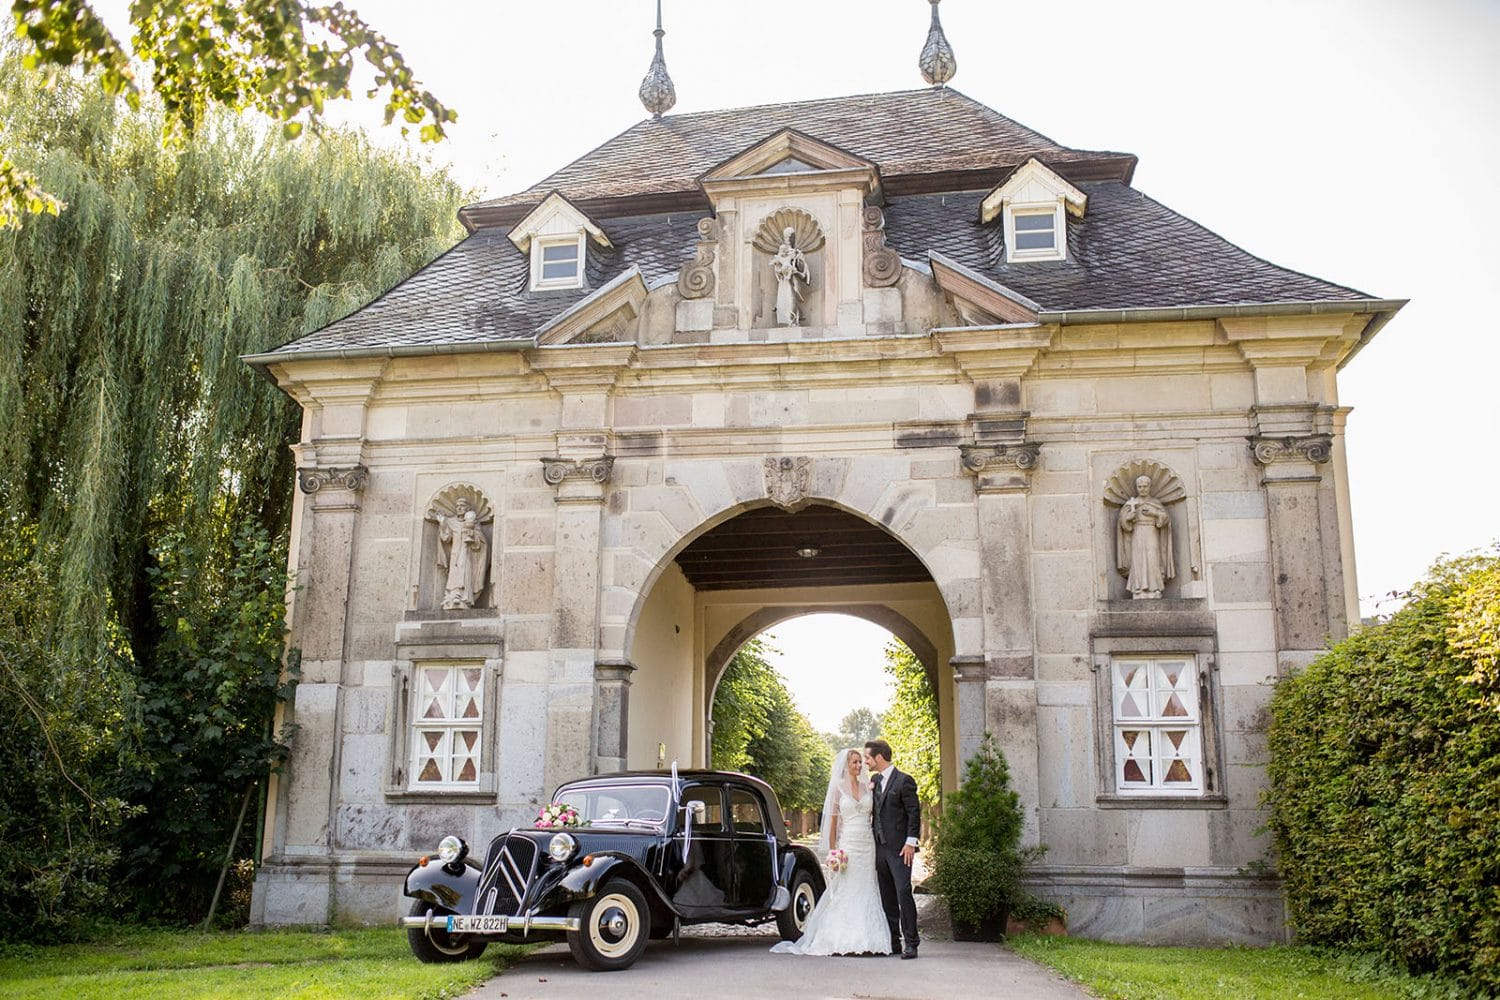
x=848 y=920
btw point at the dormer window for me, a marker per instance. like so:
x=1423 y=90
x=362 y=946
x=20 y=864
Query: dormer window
x=1034 y=204
x=553 y=235
x=557 y=263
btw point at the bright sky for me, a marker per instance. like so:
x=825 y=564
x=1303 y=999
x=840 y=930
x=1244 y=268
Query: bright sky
x=1351 y=139
x=811 y=645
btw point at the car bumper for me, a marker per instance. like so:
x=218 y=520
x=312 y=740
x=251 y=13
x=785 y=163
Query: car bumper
x=508 y=925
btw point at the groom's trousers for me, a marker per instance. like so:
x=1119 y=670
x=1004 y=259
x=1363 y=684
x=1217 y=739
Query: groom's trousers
x=894 y=876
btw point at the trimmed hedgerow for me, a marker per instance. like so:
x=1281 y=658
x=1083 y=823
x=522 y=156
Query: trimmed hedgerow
x=1385 y=783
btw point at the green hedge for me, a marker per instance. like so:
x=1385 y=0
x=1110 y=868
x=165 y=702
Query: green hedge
x=1385 y=783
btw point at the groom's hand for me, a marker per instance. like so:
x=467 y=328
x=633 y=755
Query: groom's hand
x=907 y=853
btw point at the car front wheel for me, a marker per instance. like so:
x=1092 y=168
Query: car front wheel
x=613 y=927
x=793 y=920
x=435 y=944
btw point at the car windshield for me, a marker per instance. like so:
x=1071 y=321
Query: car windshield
x=618 y=805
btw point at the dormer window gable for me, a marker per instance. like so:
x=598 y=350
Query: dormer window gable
x=1033 y=205
x=789 y=160
x=555 y=236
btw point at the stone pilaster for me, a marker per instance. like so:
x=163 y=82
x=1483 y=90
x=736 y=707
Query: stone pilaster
x=1001 y=461
x=580 y=473
x=611 y=714
x=1293 y=445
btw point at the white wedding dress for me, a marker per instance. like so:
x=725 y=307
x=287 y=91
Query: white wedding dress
x=849 y=919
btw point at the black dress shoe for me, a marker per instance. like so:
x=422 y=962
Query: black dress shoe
x=909 y=953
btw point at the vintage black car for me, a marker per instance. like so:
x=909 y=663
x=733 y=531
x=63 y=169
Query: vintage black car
x=656 y=851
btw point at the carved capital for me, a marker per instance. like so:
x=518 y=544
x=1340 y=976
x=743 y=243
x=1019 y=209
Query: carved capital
x=882 y=264
x=696 y=279
x=352 y=479
x=1000 y=468
x=985 y=457
x=594 y=470
x=788 y=480
x=1315 y=448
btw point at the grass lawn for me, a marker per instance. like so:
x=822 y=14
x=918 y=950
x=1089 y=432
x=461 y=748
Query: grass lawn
x=1132 y=972
x=133 y=964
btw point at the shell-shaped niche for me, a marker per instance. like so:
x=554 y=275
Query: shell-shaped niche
x=1165 y=485
x=445 y=503
x=807 y=235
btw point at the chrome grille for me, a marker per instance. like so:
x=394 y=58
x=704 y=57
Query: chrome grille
x=507 y=873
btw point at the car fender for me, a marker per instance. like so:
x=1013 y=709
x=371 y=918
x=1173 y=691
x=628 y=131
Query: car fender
x=583 y=881
x=450 y=886
x=796 y=856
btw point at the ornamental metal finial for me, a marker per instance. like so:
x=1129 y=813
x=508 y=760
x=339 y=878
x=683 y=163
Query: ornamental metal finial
x=937 y=61
x=657 y=92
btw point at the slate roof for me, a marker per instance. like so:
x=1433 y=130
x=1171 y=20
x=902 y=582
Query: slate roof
x=1127 y=252
x=905 y=132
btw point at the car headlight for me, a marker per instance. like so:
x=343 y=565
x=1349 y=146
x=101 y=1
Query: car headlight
x=562 y=847
x=452 y=849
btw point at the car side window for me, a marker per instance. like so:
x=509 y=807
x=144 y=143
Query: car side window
x=745 y=809
x=713 y=807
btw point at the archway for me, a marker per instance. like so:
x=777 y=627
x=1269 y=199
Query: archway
x=730 y=580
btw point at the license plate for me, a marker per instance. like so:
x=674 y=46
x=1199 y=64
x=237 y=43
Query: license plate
x=477 y=925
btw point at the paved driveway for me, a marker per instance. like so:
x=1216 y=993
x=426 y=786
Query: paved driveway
x=743 y=967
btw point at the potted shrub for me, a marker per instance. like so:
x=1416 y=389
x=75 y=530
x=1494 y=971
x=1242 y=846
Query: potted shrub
x=977 y=858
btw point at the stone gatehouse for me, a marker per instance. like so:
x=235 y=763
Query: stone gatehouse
x=893 y=355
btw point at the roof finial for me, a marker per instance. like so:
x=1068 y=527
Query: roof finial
x=937 y=62
x=657 y=92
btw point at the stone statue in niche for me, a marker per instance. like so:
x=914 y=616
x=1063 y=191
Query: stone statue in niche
x=790 y=267
x=463 y=550
x=787 y=237
x=1144 y=552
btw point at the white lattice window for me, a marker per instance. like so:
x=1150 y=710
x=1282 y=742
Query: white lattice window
x=1158 y=728
x=447 y=722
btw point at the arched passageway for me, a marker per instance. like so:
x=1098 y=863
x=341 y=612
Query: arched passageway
x=727 y=582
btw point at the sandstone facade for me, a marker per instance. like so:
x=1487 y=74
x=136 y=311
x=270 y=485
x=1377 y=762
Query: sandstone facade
x=973 y=419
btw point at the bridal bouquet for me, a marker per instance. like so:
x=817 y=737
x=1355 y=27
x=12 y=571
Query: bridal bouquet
x=556 y=815
x=837 y=860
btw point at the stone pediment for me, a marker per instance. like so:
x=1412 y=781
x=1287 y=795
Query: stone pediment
x=789 y=159
x=607 y=316
x=980 y=300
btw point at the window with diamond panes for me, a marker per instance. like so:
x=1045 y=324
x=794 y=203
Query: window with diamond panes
x=1158 y=733
x=446 y=727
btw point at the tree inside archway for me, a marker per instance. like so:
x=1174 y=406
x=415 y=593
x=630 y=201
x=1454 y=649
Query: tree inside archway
x=910 y=725
x=759 y=730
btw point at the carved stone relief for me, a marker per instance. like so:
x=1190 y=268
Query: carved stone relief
x=1144 y=550
x=696 y=279
x=788 y=479
x=461 y=557
x=882 y=265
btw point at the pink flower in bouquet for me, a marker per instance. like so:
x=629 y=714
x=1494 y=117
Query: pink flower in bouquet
x=557 y=814
x=837 y=859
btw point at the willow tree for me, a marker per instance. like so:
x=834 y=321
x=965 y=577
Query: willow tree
x=145 y=467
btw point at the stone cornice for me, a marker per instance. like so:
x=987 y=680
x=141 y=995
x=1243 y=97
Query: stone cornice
x=1309 y=341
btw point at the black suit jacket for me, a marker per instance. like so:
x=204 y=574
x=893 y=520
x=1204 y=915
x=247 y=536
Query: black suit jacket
x=898 y=814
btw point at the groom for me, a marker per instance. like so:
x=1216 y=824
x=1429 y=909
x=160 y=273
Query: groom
x=896 y=819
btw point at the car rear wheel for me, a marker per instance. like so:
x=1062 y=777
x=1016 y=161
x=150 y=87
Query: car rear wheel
x=793 y=920
x=613 y=927
x=435 y=944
